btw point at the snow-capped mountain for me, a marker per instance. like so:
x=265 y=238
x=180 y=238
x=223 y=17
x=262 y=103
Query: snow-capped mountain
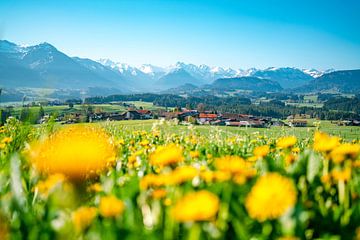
x=151 y=69
x=316 y=73
x=43 y=65
x=287 y=77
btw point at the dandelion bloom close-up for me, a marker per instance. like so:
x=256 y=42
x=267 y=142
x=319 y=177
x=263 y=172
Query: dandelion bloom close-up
x=261 y=151
x=166 y=155
x=325 y=143
x=75 y=151
x=110 y=206
x=345 y=151
x=270 y=197
x=286 y=142
x=196 y=206
x=83 y=217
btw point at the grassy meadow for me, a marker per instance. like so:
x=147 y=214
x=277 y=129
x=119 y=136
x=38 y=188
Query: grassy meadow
x=155 y=179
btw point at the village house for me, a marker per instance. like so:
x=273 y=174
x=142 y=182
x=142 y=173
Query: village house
x=298 y=123
x=206 y=118
x=298 y=116
x=137 y=114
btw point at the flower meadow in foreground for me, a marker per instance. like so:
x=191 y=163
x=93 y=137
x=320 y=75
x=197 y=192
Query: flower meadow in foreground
x=111 y=182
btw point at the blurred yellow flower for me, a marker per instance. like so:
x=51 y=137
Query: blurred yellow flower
x=341 y=175
x=356 y=164
x=261 y=151
x=286 y=142
x=158 y=193
x=182 y=174
x=166 y=155
x=325 y=179
x=345 y=151
x=75 y=151
x=324 y=142
x=232 y=164
x=196 y=206
x=153 y=180
x=217 y=176
x=144 y=142
x=270 y=197
x=45 y=187
x=295 y=150
x=83 y=217
x=96 y=187
x=110 y=206
x=6 y=140
x=120 y=142
x=194 y=154
x=289 y=159
x=235 y=167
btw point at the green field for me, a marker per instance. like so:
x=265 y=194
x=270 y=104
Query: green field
x=345 y=132
x=65 y=109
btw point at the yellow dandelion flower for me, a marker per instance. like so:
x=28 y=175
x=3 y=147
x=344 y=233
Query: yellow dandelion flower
x=341 y=175
x=240 y=179
x=96 y=187
x=110 y=206
x=144 y=142
x=324 y=142
x=6 y=140
x=183 y=174
x=286 y=142
x=356 y=164
x=83 y=217
x=207 y=175
x=270 y=197
x=120 y=142
x=158 y=193
x=289 y=159
x=326 y=179
x=261 y=151
x=196 y=206
x=232 y=164
x=345 y=151
x=152 y=180
x=252 y=158
x=215 y=176
x=2 y=145
x=295 y=150
x=75 y=151
x=166 y=155
x=46 y=186
x=220 y=176
x=194 y=154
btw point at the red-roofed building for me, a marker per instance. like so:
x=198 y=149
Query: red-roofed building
x=206 y=118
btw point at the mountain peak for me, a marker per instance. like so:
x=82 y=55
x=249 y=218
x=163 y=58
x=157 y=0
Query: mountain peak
x=46 y=45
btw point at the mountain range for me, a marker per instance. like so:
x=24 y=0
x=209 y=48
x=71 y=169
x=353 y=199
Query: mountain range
x=44 y=66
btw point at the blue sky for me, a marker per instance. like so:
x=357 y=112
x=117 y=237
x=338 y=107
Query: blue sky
x=238 y=34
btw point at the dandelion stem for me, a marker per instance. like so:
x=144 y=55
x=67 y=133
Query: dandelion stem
x=195 y=232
